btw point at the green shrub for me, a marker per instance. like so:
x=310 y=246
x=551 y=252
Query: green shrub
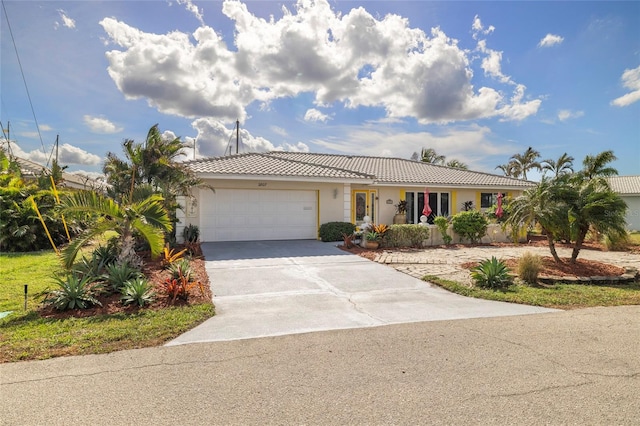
x=333 y=231
x=191 y=233
x=443 y=224
x=73 y=292
x=119 y=273
x=616 y=242
x=529 y=267
x=405 y=236
x=471 y=225
x=492 y=273
x=137 y=291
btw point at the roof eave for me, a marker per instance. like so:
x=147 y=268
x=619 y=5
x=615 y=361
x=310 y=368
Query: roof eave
x=280 y=178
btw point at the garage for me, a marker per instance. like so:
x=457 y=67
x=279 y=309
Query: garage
x=254 y=214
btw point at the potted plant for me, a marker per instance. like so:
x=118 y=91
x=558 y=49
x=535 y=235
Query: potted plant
x=401 y=212
x=372 y=240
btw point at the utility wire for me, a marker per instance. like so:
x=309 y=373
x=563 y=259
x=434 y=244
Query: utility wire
x=24 y=80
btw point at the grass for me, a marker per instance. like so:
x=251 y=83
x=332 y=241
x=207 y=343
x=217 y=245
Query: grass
x=24 y=335
x=560 y=296
x=634 y=238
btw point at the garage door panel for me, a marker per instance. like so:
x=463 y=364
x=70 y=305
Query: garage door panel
x=247 y=215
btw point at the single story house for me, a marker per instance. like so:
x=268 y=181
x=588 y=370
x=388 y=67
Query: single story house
x=288 y=195
x=628 y=187
x=32 y=170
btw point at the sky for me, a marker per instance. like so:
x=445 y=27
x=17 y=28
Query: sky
x=476 y=81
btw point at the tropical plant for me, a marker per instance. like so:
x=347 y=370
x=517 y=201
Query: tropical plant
x=348 y=240
x=143 y=216
x=457 y=164
x=181 y=268
x=171 y=255
x=492 y=273
x=564 y=165
x=593 y=204
x=597 y=165
x=471 y=225
x=179 y=288
x=137 y=291
x=542 y=204
x=429 y=155
x=526 y=161
x=401 y=207
x=117 y=274
x=372 y=236
x=442 y=224
x=73 y=292
x=529 y=266
x=191 y=233
x=511 y=169
x=467 y=206
x=380 y=228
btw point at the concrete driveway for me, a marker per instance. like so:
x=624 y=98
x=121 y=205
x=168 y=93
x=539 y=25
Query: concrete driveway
x=272 y=288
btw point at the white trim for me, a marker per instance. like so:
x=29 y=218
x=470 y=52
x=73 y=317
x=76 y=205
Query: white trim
x=214 y=176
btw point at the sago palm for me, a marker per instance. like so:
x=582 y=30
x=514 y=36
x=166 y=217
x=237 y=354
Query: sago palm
x=144 y=215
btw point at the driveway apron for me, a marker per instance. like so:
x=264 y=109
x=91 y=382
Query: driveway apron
x=271 y=288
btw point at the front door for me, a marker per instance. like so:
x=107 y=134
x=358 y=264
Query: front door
x=363 y=203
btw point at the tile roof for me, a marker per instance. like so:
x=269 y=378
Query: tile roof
x=383 y=170
x=31 y=169
x=625 y=184
x=260 y=164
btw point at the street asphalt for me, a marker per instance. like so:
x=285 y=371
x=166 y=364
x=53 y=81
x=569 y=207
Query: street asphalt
x=577 y=367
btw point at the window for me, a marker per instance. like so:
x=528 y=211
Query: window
x=438 y=201
x=488 y=199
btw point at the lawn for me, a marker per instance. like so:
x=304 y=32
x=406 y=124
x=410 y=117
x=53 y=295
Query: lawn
x=25 y=335
x=560 y=296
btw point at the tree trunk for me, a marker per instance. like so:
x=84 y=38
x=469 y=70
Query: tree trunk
x=578 y=245
x=552 y=248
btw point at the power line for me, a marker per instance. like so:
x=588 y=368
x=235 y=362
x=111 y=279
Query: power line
x=24 y=80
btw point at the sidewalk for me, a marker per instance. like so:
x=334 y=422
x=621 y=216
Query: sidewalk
x=446 y=262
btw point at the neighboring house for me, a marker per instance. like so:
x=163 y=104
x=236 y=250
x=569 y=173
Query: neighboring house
x=629 y=189
x=288 y=195
x=32 y=170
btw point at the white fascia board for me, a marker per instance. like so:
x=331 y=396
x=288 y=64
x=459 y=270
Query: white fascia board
x=214 y=176
x=450 y=185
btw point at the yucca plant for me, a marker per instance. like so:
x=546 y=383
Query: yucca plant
x=138 y=291
x=119 y=273
x=492 y=273
x=73 y=292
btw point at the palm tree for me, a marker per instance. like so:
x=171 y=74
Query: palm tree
x=594 y=205
x=596 y=166
x=562 y=166
x=457 y=164
x=511 y=169
x=429 y=155
x=144 y=215
x=526 y=161
x=541 y=204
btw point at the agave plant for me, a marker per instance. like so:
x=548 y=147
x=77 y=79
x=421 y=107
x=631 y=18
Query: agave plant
x=137 y=291
x=492 y=273
x=117 y=274
x=74 y=292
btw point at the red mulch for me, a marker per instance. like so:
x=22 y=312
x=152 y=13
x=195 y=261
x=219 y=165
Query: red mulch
x=156 y=275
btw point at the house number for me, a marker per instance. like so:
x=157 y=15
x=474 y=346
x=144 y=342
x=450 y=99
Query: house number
x=262 y=183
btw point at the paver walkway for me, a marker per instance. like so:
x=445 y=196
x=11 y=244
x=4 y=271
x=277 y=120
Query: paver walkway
x=446 y=262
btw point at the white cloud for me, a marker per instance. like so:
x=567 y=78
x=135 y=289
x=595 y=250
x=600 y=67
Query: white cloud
x=214 y=139
x=472 y=144
x=67 y=155
x=517 y=109
x=491 y=64
x=315 y=115
x=631 y=80
x=354 y=58
x=193 y=9
x=565 y=114
x=66 y=20
x=100 y=125
x=477 y=28
x=550 y=40
x=279 y=130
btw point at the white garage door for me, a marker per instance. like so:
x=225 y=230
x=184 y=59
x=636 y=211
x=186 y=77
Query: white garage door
x=251 y=215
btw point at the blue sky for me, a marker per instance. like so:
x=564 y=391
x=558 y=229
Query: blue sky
x=476 y=81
